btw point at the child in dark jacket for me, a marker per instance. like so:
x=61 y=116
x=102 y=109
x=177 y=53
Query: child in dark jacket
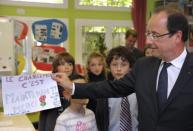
x=95 y=72
x=63 y=62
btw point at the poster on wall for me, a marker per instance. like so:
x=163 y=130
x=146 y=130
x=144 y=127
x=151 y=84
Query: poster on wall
x=51 y=31
x=29 y=93
x=20 y=32
x=42 y=56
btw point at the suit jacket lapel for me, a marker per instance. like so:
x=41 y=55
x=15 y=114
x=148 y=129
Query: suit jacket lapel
x=183 y=78
x=153 y=85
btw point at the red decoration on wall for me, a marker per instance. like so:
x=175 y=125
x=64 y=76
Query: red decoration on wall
x=42 y=56
x=20 y=31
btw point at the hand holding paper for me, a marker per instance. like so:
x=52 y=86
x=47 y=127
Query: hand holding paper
x=29 y=93
x=63 y=80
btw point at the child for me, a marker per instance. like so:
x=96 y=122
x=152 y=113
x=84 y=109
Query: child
x=63 y=62
x=95 y=72
x=148 y=50
x=120 y=61
x=76 y=117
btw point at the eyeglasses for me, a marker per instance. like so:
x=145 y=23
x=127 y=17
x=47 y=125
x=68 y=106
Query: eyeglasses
x=155 y=36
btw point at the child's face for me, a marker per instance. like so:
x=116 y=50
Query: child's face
x=119 y=68
x=96 y=66
x=148 y=52
x=65 y=68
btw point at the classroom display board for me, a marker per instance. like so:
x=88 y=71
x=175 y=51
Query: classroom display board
x=50 y=33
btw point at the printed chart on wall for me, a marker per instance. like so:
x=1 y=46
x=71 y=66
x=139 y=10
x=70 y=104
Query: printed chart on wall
x=29 y=93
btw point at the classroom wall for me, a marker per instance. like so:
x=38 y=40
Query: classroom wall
x=71 y=14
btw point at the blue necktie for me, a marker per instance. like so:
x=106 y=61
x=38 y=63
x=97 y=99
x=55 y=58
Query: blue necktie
x=125 y=115
x=163 y=86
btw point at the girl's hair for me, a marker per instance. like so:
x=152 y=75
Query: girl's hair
x=95 y=55
x=120 y=52
x=60 y=59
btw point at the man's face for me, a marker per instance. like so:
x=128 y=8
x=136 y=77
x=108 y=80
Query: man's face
x=130 y=41
x=166 y=43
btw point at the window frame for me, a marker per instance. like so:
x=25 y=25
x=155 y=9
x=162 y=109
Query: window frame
x=87 y=22
x=36 y=4
x=107 y=8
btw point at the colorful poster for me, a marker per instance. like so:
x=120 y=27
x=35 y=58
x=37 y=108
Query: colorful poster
x=42 y=56
x=20 y=32
x=51 y=31
x=29 y=93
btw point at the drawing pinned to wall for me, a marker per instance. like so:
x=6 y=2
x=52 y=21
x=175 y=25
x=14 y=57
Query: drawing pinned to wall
x=20 y=31
x=51 y=31
x=42 y=56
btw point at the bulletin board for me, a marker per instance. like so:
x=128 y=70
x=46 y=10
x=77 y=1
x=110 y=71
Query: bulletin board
x=31 y=40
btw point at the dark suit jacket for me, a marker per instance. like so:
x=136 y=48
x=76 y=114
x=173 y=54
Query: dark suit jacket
x=136 y=53
x=177 y=114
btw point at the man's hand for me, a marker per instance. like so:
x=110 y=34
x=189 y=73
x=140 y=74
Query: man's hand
x=63 y=80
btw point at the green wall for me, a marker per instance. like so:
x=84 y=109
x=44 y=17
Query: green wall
x=71 y=14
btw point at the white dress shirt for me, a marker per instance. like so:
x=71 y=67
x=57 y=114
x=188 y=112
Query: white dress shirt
x=173 y=71
x=115 y=110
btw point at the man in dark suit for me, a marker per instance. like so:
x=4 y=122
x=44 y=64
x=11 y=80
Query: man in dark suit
x=167 y=31
x=130 y=40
